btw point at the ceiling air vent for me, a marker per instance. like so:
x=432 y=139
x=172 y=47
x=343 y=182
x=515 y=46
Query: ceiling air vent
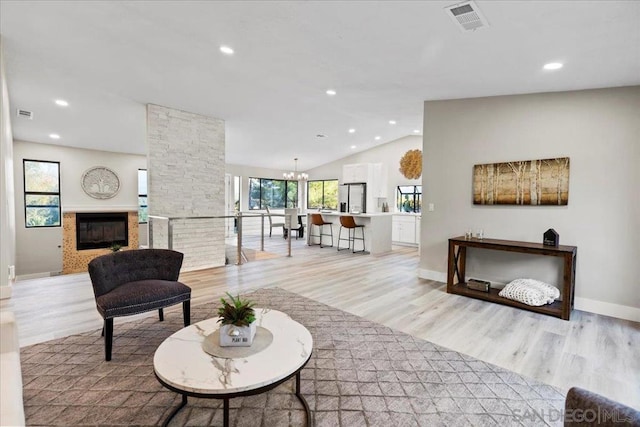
x=467 y=16
x=25 y=114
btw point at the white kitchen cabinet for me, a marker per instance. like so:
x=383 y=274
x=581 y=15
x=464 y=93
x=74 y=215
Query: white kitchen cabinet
x=378 y=174
x=404 y=229
x=355 y=173
x=372 y=174
x=395 y=230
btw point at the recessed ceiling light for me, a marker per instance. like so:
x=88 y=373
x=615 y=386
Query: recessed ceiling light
x=392 y=122
x=62 y=102
x=553 y=66
x=353 y=146
x=377 y=138
x=226 y=50
x=54 y=136
x=416 y=131
x=352 y=130
x=331 y=92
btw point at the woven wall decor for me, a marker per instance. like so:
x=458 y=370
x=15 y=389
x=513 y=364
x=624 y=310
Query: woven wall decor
x=411 y=164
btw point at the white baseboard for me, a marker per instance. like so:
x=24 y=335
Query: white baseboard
x=35 y=276
x=585 y=304
x=607 y=309
x=432 y=275
x=5 y=291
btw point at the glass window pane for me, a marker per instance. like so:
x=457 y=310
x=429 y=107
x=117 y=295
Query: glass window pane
x=278 y=194
x=254 y=193
x=266 y=194
x=292 y=194
x=143 y=214
x=41 y=177
x=142 y=181
x=331 y=194
x=236 y=193
x=41 y=210
x=35 y=200
x=409 y=198
x=42 y=217
x=143 y=210
x=314 y=194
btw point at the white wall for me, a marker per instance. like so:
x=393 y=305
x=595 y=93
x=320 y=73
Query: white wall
x=7 y=212
x=388 y=154
x=39 y=250
x=599 y=130
x=246 y=172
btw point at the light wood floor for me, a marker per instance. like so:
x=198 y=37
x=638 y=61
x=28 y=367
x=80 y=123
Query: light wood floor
x=595 y=352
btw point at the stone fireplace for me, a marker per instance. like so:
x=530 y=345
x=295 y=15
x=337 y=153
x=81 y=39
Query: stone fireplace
x=87 y=235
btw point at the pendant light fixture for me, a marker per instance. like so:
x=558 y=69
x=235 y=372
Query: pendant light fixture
x=295 y=175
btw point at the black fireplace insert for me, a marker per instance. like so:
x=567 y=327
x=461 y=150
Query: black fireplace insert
x=101 y=230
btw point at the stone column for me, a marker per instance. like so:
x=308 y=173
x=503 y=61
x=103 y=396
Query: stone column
x=186 y=166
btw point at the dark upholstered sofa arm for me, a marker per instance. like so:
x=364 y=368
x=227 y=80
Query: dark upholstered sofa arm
x=584 y=408
x=112 y=270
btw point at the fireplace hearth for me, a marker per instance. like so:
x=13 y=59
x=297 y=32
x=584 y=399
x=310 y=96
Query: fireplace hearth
x=101 y=230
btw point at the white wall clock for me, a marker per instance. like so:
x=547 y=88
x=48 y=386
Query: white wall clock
x=100 y=182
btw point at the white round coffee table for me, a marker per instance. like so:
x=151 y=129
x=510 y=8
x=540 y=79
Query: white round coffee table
x=181 y=365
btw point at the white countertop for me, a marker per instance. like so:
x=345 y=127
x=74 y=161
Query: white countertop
x=364 y=215
x=181 y=362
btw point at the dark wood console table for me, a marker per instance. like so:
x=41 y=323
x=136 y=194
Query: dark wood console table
x=457 y=259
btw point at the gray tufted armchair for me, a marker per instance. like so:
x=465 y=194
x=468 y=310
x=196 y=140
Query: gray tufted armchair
x=584 y=408
x=137 y=281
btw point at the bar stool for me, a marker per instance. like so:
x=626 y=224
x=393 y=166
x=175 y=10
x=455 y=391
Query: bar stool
x=316 y=219
x=349 y=223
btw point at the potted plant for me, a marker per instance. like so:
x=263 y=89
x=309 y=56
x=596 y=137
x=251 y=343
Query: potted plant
x=238 y=322
x=115 y=247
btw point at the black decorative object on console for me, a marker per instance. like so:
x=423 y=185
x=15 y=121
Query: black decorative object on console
x=551 y=238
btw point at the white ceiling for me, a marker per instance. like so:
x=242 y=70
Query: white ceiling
x=109 y=59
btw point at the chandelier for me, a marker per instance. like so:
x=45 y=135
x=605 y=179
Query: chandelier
x=295 y=175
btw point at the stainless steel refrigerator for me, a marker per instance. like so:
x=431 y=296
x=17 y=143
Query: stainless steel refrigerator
x=353 y=198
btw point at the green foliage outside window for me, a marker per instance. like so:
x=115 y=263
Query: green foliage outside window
x=143 y=207
x=143 y=210
x=41 y=193
x=275 y=193
x=409 y=198
x=292 y=194
x=322 y=194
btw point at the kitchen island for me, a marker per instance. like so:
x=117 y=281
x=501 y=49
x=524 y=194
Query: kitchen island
x=377 y=230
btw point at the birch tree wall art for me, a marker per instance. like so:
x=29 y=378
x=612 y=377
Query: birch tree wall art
x=530 y=182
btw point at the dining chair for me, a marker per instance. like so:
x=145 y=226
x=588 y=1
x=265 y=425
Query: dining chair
x=271 y=223
x=293 y=215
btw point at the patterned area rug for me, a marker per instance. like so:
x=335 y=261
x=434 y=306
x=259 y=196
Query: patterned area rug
x=361 y=374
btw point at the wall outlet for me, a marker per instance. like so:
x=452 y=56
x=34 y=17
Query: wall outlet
x=12 y=272
x=432 y=207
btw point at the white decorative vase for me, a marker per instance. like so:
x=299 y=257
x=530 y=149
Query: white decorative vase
x=237 y=336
